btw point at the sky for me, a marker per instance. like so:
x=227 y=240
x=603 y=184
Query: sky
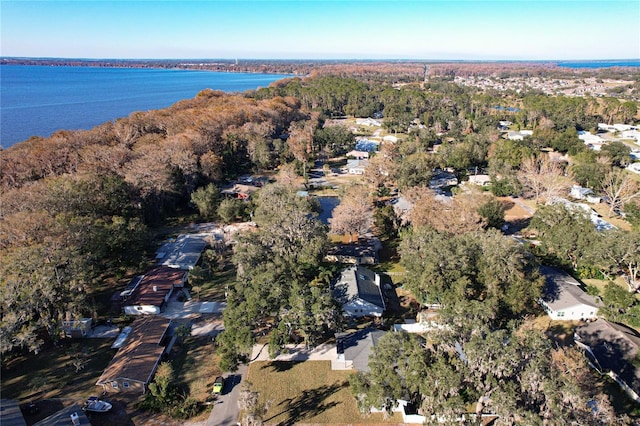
x=309 y=29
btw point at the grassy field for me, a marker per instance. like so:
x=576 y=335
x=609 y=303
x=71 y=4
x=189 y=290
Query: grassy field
x=308 y=392
x=52 y=373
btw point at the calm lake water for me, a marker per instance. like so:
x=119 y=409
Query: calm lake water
x=38 y=100
x=600 y=64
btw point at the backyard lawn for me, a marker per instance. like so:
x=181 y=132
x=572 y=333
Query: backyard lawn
x=308 y=392
x=69 y=370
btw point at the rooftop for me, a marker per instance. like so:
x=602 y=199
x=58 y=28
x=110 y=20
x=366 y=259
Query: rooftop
x=183 y=253
x=357 y=346
x=615 y=348
x=155 y=285
x=137 y=358
x=562 y=291
x=359 y=282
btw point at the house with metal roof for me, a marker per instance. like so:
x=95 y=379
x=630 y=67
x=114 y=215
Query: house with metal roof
x=134 y=365
x=564 y=299
x=359 y=292
x=183 y=252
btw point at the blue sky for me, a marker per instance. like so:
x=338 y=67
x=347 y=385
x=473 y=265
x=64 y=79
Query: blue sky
x=472 y=29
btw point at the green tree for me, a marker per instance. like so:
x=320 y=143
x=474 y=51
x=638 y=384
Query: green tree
x=206 y=200
x=231 y=210
x=618 y=153
x=493 y=211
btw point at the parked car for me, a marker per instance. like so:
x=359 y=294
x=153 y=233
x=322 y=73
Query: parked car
x=218 y=384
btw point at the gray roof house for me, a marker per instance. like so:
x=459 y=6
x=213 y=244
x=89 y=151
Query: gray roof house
x=358 y=291
x=564 y=299
x=353 y=349
x=612 y=349
x=183 y=252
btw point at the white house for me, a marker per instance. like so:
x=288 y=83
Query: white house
x=482 y=180
x=634 y=168
x=563 y=299
x=593 y=142
x=580 y=193
x=631 y=134
x=606 y=127
x=622 y=127
x=390 y=138
x=368 y=122
x=357 y=167
x=359 y=292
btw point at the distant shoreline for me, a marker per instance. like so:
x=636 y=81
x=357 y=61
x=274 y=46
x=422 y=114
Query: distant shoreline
x=303 y=67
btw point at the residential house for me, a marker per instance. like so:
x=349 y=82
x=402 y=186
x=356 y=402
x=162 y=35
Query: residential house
x=631 y=134
x=402 y=208
x=564 y=299
x=239 y=191
x=368 y=122
x=612 y=349
x=133 y=366
x=353 y=349
x=359 y=292
x=366 y=145
x=594 y=217
x=361 y=252
x=482 y=180
x=624 y=127
x=580 y=193
x=519 y=136
x=606 y=127
x=442 y=179
x=357 y=167
x=358 y=155
x=634 y=168
x=593 y=142
x=154 y=290
x=183 y=252
x=390 y=138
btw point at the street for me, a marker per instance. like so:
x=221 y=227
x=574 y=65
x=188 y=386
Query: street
x=225 y=411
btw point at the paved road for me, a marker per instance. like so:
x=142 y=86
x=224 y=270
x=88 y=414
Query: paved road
x=225 y=411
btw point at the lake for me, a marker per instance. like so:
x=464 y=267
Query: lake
x=600 y=63
x=39 y=100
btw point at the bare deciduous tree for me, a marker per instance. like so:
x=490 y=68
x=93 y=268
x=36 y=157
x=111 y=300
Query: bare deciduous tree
x=620 y=188
x=543 y=178
x=452 y=215
x=354 y=214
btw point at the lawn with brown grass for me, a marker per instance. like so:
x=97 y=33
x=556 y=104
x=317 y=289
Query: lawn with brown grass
x=308 y=392
x=69 y=370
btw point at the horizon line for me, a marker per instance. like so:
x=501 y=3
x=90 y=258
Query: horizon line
x=317 y=59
